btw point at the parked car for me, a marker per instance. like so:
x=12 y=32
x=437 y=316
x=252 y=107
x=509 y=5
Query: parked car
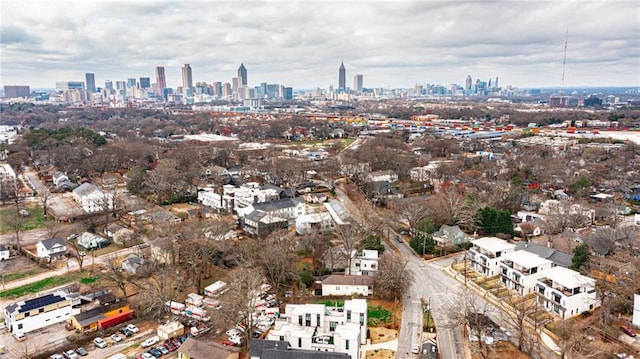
x=149 y=342
x=169 y=345
x=399 y=239
x=126 y=332
x=415 y=348
x=56 y=356
x=155 y=352
x=628 y=331
x=70 y=354
x=81 y=351
x=146 y=355
x=116 y=338
x=99 y=342
x=132 y=328
x=163 y=350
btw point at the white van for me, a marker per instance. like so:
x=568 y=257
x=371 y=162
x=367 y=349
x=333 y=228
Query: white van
x=149 y=342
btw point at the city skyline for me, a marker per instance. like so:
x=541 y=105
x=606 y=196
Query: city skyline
x=392 y=44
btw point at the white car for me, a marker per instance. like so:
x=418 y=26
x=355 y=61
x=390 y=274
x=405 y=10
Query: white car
x=415 y=349
x=116 y=338
x=146 y=355
x=132 y=328
x=70 y=354
x=149 y=342
x=99 y=342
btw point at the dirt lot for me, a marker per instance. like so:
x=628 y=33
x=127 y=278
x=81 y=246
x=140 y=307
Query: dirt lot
x=499 y=350
x=382 y=334
x=381 y=354
x=16 y=265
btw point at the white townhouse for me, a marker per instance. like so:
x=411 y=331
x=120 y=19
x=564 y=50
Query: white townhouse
x=92 y=199
x=32 y=314
x=322 y=328
x=566 y=292
x=487 y=253
x=519 y=270
x=347 y=285
x=364 y=263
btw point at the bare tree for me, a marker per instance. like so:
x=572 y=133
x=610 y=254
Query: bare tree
x=412 y=213
x=15 y=219
x=157 y=289
x=393 y=278
x=239 y=302
x=471 y=311
x=115 y=274
x=521 y=312
x=349 y=238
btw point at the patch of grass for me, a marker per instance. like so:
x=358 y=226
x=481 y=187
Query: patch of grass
x=35 y=287
x=33 y=221
x=378 y=316
x=88 y=280
x=333 y=303
x=19 y=275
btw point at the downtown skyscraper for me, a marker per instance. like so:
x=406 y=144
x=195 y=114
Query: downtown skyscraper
x=357 y=83
x=161 y=80
x=342 y=78
x=187 y=77
x=242 y=73
x=91 y=82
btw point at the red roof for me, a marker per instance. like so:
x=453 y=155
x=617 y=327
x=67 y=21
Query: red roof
x=116 y=319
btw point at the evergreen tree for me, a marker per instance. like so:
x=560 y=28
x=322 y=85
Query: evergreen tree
x=580 y=256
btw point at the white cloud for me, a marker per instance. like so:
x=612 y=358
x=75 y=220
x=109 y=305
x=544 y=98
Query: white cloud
x=302 y=43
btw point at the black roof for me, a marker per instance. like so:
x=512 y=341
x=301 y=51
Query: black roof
x=275 y=205
x=559 y=258
x=30 y=304
x=49 y=243
x=276 y=349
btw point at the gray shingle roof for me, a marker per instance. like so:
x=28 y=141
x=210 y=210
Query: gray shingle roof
x=559 y=258
x=49 y=243
x=276 y=205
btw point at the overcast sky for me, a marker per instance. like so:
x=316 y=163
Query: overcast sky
x=301 y=43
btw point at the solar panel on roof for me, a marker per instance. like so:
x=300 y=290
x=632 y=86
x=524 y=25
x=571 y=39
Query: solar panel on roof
x=40 y=302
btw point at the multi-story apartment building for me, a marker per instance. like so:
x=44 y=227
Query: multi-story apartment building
x=321 y=328
x=566 y=292
x=364 y=263
x=487 y=253
x=8 y=182
x=92 y=199
x=32 y=314
x=519 y=270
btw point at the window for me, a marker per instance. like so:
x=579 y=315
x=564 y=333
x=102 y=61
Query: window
x=332 y=326
x=361 y=318
x=282 y=338
x=318 y=319
x=348 y=315
x=373 y=266
x=27 y=314
x=299 y=342
x=41 y=310
x=300 y=320
x=346 y=344
x=307 y=320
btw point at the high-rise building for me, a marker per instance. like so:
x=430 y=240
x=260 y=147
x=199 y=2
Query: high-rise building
x=145 y=83
x=16 y=91
x=242 y=73
x=108 y=86
x=468 y=83
x=217 y=88
x=91 y=82
x=357 y=82
x=226 y=89
x=131 y=83
x=236 y=83
x=161 y=80
x=187 y=78
x=342 y=77
x=288 y=93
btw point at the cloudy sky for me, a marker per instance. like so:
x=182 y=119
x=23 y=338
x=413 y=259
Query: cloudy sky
x=301 y=43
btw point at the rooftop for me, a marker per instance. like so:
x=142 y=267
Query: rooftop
x=493 y=244
x=567 y=278
x=526 y=259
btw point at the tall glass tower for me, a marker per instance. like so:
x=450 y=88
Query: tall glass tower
x=242 y=73
x=342 y=77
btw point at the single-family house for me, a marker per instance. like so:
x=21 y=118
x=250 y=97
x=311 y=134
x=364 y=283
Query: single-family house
x=259 y=223
x=58 y=178
x=364 y=263
x=90 y=241
x=519 y=270
x=4 y=252
x=193 y=348
x=382 y=176
x=222 y=202
x=132 y=263
x=557 y=257
x=173 y=329
x=163 y=250
x=52 y=248
x=28 y=315
x=450 y=236
x=486 y=254
x=313 y=222
x=347 y=285
x=565 y=292
x=92 y=199
x=118 y=233
x=534 y=227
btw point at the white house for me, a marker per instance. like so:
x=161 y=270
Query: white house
x=92 y=199
x=315 y=326
x=4 y=252
x=536 y=220
x=566 y=292
x=59 y=178
x=343 y=285
x=223 y=202
x=32 y=314
x=486 y=254
x=51 y=248
x=519 y=270
x=364 y=263
x=311 y=222
x=91 y=241
x=382 y=176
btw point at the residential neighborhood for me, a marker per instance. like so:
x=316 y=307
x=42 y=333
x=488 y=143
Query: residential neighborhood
x=268 y=237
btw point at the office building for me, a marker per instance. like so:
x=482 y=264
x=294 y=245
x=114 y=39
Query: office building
x=91 y=82
x=226 y=89
x=357 y=83
x=161 y=80
x=217 y=88
x=242 y=73
x=187 y=78
x=16 y=91
x=108 y=86
x=342 y=77
x=131 y=83
x=69 y=85
x=468 y=83
x=145 y=83
x=288 y=93
x=236 y=83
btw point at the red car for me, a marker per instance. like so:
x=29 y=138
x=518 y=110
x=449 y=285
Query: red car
x=628 y=331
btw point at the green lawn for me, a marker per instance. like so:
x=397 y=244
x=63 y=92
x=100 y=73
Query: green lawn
x=332 y=303
x=48 y=283
x=33 y=221
x=19 y=275
x=378 y=316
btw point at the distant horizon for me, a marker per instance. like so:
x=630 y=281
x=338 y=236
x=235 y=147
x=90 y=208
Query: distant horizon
x=301 y=44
